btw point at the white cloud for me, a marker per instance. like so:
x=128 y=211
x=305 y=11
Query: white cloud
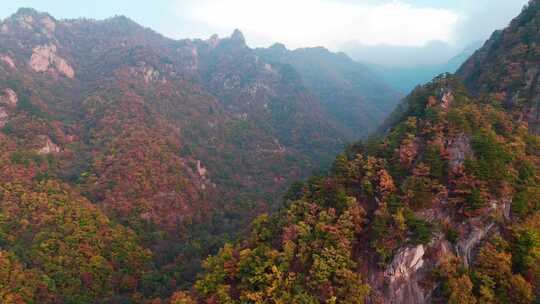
x=300 y=23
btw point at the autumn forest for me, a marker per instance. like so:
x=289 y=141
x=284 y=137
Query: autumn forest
x=135 y=168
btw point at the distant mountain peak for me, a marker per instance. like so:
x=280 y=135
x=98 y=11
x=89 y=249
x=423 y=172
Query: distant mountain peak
x=238 y=36
x=278 y=47
x=213 y=40
x=26 y=11
x=320 y=50
x=30 y=19
x=122 y=19
x=29 y=13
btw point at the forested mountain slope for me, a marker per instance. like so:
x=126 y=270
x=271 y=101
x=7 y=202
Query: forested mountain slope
x=445 y=208
x=126 y=157
x=506 y=70
x=348 y=90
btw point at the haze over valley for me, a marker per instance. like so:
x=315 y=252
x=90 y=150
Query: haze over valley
x=327 y=151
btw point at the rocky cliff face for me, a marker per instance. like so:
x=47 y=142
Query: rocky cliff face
x=45 y=59
x=402 y=276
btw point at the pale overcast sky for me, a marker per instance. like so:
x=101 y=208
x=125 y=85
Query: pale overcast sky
x=301 y=23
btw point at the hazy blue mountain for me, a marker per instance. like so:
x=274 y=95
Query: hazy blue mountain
x=349 y=91
x=403 y=74
x=405 y=79
x=432 y=53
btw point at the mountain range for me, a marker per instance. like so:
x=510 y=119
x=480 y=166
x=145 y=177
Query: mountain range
x=406 y=78
x=126 y=158
x=442 y=207
x=172 y=145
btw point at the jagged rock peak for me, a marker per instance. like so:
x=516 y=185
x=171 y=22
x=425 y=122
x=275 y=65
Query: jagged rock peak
x=213 y=40
x=238 y=37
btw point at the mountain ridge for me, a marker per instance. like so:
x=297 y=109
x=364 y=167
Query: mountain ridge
x=174 y=145
x=126 y=157
x=340 y=83
x=442 y=208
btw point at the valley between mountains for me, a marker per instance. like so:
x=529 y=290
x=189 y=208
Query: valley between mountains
x=135 y=168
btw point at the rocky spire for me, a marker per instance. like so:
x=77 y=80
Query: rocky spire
x=213 y=41
x=238 y=37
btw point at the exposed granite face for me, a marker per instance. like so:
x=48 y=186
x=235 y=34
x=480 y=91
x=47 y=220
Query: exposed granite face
x=150 y=74
x=476 y=230
x=8 y=61
x=403 y=279
x=9 y=98
x=447 y=99
x=191 y=58
x=533 y=116
x=63 y=67
x=201 y=169
x=459 y=149
x=3 y=117
x=49 y=147
x=49 y=24
x=400 y=276
x=466 y=247
x=45 y=59
x=8 y=101
x=41 y=58
x=531 y=93
x=213 y=41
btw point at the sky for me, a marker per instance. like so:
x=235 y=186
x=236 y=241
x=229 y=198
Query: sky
x=302 y=23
